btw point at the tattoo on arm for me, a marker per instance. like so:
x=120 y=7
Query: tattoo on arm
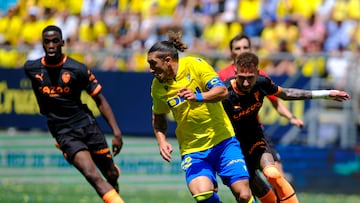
x=295 y=94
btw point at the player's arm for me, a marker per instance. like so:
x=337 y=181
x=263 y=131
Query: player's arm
x=300 y=94
x=285 y=112
x=159 y=124
x=216 y=92
x=109 y=117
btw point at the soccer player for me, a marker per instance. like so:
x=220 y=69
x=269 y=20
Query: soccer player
x=239 y=44
x=57 y=81
x=191 y=89
x=247 y=90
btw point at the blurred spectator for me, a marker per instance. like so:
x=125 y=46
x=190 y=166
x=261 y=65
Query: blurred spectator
x=92 y=7
x=68 y=23
x=114 y=32
x=249 y=14
x=338 y=28
x=313 y=60
x=10 y=57
x=10 y=27
x=312 y=29
x=269 y=37
x=337 y=66
x=287 y=30
x=92 y=32
x=214 y=33
x=31 y=28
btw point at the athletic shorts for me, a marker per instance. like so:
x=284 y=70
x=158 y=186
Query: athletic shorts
x=89 y=138
x=272 y=148
x=253 y=145
x=225 y=159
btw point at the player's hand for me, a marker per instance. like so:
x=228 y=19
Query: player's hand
x=117 y=144
x=297 y=122
x=339 y=95
x=165 y=149
x=186 y=94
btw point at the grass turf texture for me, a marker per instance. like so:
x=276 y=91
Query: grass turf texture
x=140 y=182
x=24 y=192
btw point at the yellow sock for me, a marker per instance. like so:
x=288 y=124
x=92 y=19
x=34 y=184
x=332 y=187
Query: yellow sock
x=282 y=187
x=112 y=197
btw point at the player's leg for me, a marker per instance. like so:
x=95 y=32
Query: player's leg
x=76 y=146
x=82 y=160
x=261 y=189
x=234 y=175
x=102 y=156
x=203 y=191
x=200 y=177
x=110 y=171
x=282 y=187
x=274 y=152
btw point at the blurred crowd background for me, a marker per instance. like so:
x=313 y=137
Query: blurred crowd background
x=311 y=38
x=115 y=34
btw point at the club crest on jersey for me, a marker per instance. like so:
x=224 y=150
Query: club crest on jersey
x=66 y=77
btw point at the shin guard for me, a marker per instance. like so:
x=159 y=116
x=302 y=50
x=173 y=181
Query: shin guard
x=282 y=187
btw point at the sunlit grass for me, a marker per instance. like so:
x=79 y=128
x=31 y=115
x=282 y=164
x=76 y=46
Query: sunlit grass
x=81 y=192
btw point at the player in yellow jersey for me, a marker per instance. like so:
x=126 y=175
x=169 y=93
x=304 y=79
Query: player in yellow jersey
x=191 y=89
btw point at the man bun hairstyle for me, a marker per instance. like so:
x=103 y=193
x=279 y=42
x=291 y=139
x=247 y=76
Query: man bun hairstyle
x=175 y=39
x=169 y=47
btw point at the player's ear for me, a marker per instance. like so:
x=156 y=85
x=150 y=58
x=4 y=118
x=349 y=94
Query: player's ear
x=62 y=42
x=167 y=59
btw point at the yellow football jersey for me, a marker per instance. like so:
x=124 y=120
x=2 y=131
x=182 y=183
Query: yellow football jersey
x=200 y=125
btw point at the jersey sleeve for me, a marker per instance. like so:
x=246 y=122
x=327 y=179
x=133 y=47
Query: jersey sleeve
x=207 y=74
x=158 y=106
x=268 y=86
x=93 y=86
x=270 y=97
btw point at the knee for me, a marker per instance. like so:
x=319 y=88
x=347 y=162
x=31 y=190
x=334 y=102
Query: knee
x=113 y=173
x=246 y=197
x=271 y=173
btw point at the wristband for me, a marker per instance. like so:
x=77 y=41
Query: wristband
x=199 y=97
x=318 y=94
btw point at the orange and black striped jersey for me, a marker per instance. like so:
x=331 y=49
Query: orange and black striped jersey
x=58 y=91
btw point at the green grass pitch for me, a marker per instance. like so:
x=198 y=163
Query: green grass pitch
x=35 y=174
x=81 y=192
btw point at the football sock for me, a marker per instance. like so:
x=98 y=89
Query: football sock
x=282 y=187
x=252 y=200
x=207 y=197
x=269 y=197
x=112 y=197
